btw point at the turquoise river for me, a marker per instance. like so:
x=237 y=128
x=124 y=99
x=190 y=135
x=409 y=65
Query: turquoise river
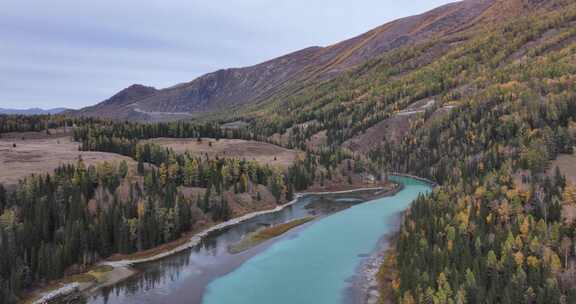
x=315 y=264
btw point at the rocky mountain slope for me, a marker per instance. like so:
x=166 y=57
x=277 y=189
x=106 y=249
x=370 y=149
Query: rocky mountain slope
x=233 y=88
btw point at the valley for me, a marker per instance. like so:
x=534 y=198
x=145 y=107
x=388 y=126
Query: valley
x=429 y=160
x=116 y=179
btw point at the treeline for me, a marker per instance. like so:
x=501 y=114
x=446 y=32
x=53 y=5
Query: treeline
x=217 y=175
x=96 y=134
x=54 y=224
x=124 y=138
x=25 y=123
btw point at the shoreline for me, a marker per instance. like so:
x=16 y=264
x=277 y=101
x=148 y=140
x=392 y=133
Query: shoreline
x=196 y=238
x=122 y=269
x=432 y=183
x=366 y=282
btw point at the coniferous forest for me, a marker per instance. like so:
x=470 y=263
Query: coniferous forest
x=77 y=216
x=496 y=229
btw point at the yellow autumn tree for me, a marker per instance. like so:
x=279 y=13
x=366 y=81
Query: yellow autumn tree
x=141 y=208
x=553 y=260
x=525 y=227
x=480 y=191
x=569 y=195
x=519 y=258
x=492 y=260
x=408 y=298
x=504 y=212
x=243 y=183
x=533 y=261
x=163 y=172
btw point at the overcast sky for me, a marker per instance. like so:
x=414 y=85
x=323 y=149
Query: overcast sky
x=74 y=53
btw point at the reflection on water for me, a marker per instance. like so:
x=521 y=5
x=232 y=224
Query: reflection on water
x=182 y=278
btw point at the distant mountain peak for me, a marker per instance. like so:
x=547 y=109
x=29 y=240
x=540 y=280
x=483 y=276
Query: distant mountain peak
x=130 y=94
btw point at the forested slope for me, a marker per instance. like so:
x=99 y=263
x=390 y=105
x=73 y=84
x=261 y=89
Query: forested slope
x=504 y=106
x=449 y=70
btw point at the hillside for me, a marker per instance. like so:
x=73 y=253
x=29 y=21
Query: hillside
x=483 y=111
x=382 y=97
x=234 y=88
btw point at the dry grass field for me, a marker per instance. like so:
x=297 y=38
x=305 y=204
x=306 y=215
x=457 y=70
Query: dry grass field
x=37 y=153
x=565 y=162
x=233 y=148
x=567 y=165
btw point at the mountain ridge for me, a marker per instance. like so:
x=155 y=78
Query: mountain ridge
x=231 y=88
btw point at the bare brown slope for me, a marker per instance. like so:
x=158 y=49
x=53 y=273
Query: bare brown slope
x=240 y=86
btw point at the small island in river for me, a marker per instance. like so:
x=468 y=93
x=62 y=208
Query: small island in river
x=265 y=233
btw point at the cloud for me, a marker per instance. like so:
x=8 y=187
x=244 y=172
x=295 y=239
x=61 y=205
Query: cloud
x=26 y=31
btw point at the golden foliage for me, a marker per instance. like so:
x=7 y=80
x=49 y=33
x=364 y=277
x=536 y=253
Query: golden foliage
x=480 y=191
x=525 y=227
x=519 y=258
x=533 y=261
x=569 y=195
x=141 y=209
x=7 y=218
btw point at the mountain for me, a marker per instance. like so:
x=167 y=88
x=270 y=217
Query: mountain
x=380 y=99
x=32 y=111
x=231 y=89
x=118 y=106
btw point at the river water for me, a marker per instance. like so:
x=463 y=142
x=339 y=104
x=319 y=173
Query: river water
x=313 y=263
